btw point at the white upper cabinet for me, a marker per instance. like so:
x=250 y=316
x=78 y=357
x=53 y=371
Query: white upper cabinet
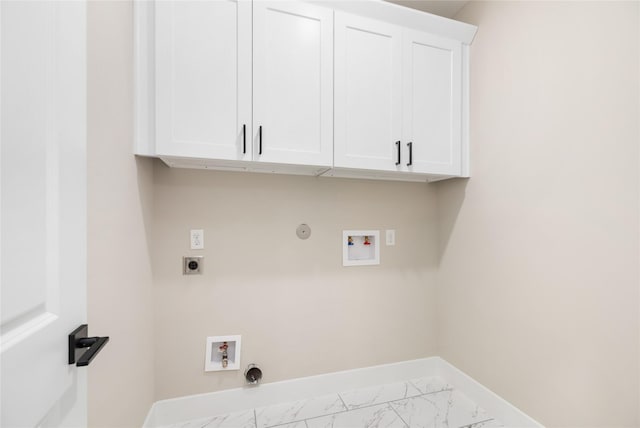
x=398 y=99
x=338 y=88
x=203 y=79
x=368 y=93
x=292 y=83
x=432 y=104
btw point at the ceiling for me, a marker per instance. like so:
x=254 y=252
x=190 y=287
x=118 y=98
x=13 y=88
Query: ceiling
x=446 y=8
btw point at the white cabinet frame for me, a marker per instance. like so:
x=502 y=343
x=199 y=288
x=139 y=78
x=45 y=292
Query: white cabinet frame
x=294 y=161
x=292 y=83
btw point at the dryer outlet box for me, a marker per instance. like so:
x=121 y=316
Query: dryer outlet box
x=192 y=265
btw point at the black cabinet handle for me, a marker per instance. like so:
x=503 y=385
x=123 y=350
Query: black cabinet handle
x=83 y=349
x=410 y=145
x=260 y=140
x=398 y=147
x=244 y=139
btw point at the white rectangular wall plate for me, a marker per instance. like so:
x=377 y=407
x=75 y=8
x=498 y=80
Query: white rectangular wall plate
x=390 y=237
x=197 y=239
x=213 y=354
x=360 y=247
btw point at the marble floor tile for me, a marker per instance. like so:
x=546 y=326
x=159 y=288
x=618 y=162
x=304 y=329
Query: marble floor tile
x=491 y=423
x=244 y=419
x=381 y=416
x=427 y=385
x=378 y=394
x=445 y=409
x=195 y=423
x=285 y=413
x=298 y=424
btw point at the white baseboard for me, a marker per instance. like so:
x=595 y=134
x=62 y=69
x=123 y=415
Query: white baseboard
x=182 y=409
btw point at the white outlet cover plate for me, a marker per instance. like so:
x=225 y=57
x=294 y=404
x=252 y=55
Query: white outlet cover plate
x=197 y=239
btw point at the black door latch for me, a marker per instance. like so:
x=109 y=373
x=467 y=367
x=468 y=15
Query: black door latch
x=83 y=349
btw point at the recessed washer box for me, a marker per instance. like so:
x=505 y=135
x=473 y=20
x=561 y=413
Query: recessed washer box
x=214 y=354
x=360 y=247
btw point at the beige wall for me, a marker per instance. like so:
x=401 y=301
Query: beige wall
x=120 y=192
x=298 y=310
x=537 y=266
x=538 y=281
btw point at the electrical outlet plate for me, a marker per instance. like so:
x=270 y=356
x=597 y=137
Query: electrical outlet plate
x=197 y=239
x=391 y=237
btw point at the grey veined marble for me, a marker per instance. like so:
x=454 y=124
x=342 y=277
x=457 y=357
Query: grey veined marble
x=244 y=419
x=449 y=409
x=378 y=394
x=280 y=414
x=380 y=416
x=420 y=403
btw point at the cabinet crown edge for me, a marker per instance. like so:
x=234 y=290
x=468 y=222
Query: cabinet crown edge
x=405 y=17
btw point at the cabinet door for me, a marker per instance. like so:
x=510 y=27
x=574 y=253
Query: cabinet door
x=432 y=103
x=293 y=83
x=203 y=78
x=368 y=55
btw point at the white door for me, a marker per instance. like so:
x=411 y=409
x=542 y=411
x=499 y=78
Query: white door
x=368 y=91
x=293 y=83
x=203 y=78
x=42 y=154
x=432 y=100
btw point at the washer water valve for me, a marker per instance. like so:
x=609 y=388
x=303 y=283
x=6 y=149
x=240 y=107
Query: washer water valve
x=253 y=374
x=225 y=356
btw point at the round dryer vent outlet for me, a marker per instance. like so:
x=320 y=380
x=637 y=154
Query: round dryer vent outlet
x=253 y=374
